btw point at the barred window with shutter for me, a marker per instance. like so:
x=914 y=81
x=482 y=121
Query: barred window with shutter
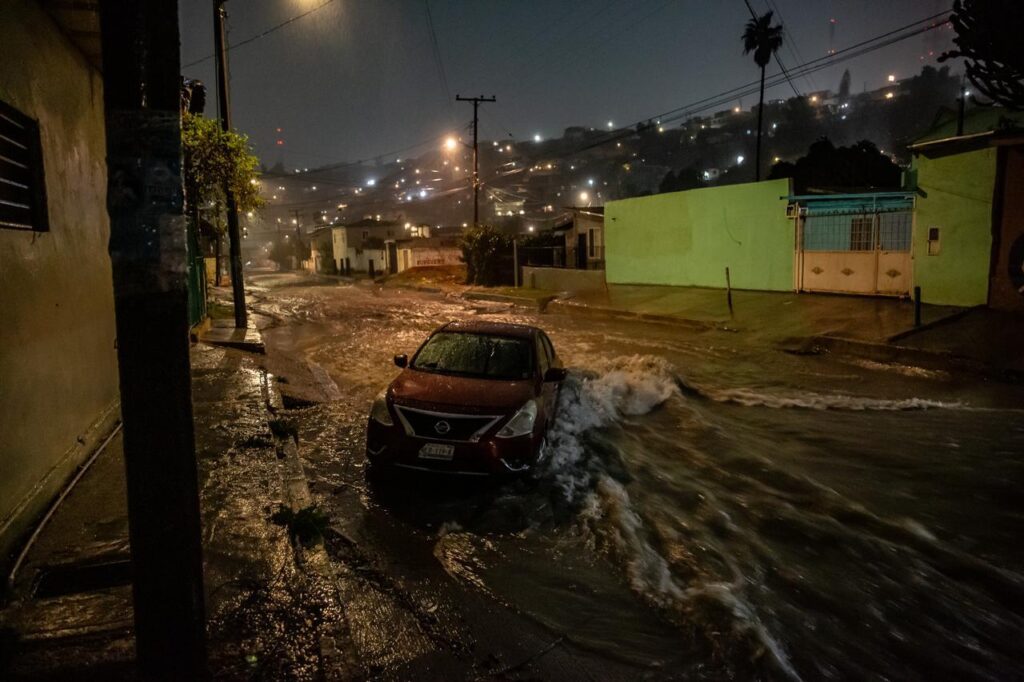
x=22 y=184
x=862 y=236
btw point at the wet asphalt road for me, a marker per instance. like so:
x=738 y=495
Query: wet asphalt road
x=709 y=509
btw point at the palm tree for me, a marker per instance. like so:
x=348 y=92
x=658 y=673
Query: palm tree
x=764 y=40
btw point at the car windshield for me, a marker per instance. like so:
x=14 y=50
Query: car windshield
x=477 y=355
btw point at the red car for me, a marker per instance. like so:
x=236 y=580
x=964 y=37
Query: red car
x=476 y=398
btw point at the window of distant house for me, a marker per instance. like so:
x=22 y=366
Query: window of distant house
x=22 y=185
x=593 y=246
x=861 y=234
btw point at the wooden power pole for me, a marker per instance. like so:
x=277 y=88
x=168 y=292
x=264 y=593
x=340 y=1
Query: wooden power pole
x=476 y=151
x=142 y=101
x=224 y=108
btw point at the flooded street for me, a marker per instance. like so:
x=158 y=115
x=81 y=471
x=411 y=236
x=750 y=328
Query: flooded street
x=709 y=507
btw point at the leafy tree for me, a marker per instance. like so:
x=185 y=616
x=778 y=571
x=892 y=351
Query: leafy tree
x=213 y=160
x=485 y=250
x=858 y=166
x=988 y=36
x=764 y=40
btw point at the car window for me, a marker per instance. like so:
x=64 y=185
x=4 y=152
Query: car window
x=548 y=348
x=543 y=359
x=478 y=355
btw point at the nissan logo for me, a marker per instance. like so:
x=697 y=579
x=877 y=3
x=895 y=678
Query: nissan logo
x=442 y=427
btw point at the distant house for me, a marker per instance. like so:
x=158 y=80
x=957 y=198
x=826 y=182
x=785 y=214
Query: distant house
x=366 y=245
x=584 y=238
x=321 y=252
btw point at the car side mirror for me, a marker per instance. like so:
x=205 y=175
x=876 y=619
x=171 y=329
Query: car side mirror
x=402 y=360
x=556 y=374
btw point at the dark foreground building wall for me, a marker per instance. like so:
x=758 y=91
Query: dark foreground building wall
x=58 y=363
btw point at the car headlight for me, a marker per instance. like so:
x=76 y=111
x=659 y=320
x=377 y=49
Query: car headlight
x=380 y=412
x=521 y=424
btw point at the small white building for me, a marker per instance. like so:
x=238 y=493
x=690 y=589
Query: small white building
x=369 y=242
x=584 y=238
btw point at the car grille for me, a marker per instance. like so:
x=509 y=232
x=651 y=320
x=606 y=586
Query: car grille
x=445 y=426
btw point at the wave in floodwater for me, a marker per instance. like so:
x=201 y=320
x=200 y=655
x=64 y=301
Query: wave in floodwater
x=770 y=568
x=629 y=387
x=817 y=401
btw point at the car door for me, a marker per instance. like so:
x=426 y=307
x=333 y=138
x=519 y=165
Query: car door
x=549 y=389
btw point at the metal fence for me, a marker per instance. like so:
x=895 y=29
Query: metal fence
x=562 y=257
x=858 y=232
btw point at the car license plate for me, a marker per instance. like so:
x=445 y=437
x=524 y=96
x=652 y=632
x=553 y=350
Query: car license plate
x=437 y=451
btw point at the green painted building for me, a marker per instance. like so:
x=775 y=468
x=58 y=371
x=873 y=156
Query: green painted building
x=689 y=238
x=952 y=239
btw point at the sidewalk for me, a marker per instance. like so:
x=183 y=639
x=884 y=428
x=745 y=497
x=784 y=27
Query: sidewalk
x=269 y=613
x=878 y=328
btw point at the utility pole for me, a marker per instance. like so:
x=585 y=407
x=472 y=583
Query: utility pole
x=961 y=109
x=224 y=106
x=142 y=103
x=476 y=152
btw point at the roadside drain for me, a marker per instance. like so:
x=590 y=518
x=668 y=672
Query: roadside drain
x=61 y=580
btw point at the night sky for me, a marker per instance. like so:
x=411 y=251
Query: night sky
x=358 y=79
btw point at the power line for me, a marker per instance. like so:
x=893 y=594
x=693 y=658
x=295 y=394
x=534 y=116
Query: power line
x=265 y=33
x=814 y=65
x=437 y=55
x=791 y=44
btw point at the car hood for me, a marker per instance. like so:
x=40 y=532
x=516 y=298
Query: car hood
x=459 y=394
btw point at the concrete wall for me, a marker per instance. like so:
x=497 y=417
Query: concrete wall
x=563 y=279
x=58 y=365
x=429 y=257
x=959 y=191
x=689 y=238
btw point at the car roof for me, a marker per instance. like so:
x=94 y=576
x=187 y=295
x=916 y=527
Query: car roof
x=497 y=328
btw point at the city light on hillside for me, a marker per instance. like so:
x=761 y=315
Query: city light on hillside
x=892 y=78
x=537 y=137
x=740 y=159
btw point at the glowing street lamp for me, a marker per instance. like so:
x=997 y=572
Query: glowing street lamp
x=451 y=143
x=584 y=197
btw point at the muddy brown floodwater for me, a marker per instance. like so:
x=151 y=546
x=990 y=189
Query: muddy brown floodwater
x=708 y=509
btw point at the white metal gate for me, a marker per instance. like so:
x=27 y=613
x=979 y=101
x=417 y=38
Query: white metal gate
x=853 y=251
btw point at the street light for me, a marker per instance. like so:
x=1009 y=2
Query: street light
x=450 y=144
x=584 y=197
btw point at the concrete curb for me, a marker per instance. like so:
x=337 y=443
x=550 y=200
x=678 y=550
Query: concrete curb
x=336 y=658
x=525 y=301
x=934 y=323
x=905 y=355
x=697 y=325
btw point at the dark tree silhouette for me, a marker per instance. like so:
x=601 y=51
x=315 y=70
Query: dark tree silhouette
x=764 y=40
x=686 y=178
x=859 y=166
x=988 y=37
x=844 y=86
